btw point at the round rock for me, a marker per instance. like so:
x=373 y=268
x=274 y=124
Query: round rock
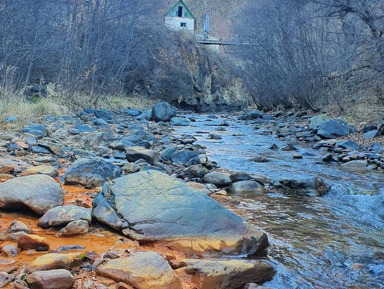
x=62 y=215
x=91 y=172
x=40 y=193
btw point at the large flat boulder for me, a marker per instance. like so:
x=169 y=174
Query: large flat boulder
x=142 y=270
x=39 y=193
x=155 y=207
x=91 y=172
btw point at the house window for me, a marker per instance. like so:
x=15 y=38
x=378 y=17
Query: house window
x=183 y=24
x=180 y=11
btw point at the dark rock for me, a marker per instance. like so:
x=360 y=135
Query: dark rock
x=37 y=192
x=349 y=144
x=162 y=111
x=380 y=126
x=288 y=147
x=334 y=128
x=260 y=159
x=328 y=158
x=91 y=172
x=273 y=147
x=104 y=114
x=244 y=188
x=237 y=177
x=310 y=186
x=254 y=114
x=198 y=171
x=156 y=207
x=40 y=150
x=36 y=130
x=218 y=179
x=368 y=128
x=166 y=154
x=186 y=158
x=214 y=136
x=62 y=215
x=136 y=153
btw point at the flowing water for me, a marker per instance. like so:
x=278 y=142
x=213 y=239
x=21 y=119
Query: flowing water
x=335 y=241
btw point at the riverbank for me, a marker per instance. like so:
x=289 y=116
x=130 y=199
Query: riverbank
x=126 y=143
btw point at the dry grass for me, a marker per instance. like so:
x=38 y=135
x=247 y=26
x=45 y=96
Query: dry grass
x=59 y=103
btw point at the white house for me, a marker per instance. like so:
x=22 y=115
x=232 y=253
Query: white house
x=180 y=18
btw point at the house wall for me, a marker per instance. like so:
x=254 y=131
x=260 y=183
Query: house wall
x=174 y=23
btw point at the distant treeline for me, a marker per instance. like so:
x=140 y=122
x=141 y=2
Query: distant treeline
x=92 y=45
x=292 y=53
x=313 y=53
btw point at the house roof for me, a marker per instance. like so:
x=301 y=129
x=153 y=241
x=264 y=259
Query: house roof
x=180 y=3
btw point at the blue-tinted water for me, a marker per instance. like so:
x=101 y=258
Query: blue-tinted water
x=335 y=241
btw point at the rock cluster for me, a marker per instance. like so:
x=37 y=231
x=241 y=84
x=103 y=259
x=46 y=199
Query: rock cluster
x=154 y=187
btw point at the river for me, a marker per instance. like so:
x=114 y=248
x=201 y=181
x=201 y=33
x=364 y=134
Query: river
x=334 y=241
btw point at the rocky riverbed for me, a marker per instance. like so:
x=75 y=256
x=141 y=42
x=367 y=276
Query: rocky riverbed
x=152 y=199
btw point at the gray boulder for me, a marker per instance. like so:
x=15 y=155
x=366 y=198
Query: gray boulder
x=218 y=179
x=62 y=215
x=186 y=158
x=135 y=153
x=91 y=172
x=155 y=207
x=37 y=192
x=253 y=114
x=334 y=128
x=162 y=111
